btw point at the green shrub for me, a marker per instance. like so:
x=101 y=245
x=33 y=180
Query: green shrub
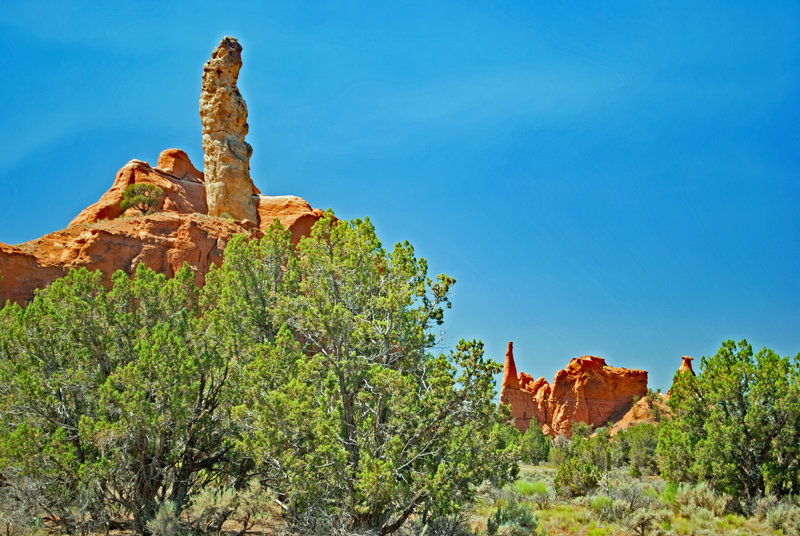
x=576 y=476
x=142 y=197
x=166 y=521
x=535 y=446
x=669 y=493
x=451 y=525
x=786 y=517
x=541 y=494
x=693 y=499
x=524 y=487
x=512 y=519
x=602 y=506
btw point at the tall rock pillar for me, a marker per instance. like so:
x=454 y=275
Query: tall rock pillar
x=522 y=407
x=226 y=156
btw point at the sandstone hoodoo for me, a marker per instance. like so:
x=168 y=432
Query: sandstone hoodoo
x=179 y=230
x=588 y=390
x=686 y=365
x=223 y=113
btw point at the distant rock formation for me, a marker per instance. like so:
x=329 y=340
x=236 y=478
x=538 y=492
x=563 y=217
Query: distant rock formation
x=686 y=365
x=588 y=390
x=223 y=113
x=181 y=231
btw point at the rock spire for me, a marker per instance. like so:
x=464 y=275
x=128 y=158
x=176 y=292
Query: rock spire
x=686 y=365
x=510 y=369
x=223 y=112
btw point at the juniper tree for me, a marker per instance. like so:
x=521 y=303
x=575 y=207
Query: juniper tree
x=142 y=197
x=736 y=424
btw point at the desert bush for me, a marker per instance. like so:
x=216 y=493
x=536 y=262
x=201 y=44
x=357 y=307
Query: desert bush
x=142 y=197
x=166 y=521
x=534 y=445
x=632 y=505
x=762 y=505
x=537 y=492
x=602 y=506
x=646 y=521
x=784 y=516
x=512 y=528
x=692 y=499
x=487 y=493
x=576 y=476
x=214 y=505
x=450 y=525
x=514 y=518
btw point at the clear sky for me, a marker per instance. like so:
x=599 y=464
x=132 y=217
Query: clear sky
x=621 y=182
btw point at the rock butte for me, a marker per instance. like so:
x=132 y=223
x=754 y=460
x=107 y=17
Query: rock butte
x=588 y=390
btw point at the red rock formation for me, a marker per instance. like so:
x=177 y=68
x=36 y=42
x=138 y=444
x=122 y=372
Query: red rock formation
x=99 y=239
x=183 y=186
x=587 y=390
x=645 y=410
x=686 y=365
x=510 y=379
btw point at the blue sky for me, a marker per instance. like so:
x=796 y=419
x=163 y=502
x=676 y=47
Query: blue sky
x=620 y=182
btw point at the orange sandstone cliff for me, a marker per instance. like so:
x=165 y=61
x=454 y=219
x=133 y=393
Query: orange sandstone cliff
x=180 y=231
x=587 y=390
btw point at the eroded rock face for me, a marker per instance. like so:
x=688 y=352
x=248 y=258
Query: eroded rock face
x=98 y=239
x=223 y=113
x=587 y=390
x=645 y=410
x=183 y=186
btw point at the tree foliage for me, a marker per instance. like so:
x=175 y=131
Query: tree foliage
x=141 y=196
x=736 y=424
x=534 y=445
x=307 y=371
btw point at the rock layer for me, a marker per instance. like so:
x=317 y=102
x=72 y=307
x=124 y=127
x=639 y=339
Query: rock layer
x=223 y=113
x=588 y=390
x=99 y=239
